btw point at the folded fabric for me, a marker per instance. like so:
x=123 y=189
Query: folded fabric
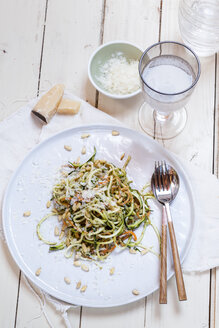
x=204 y=251
x=20 y=132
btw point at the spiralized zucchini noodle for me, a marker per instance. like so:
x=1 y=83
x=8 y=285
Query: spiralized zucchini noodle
x=98 y=209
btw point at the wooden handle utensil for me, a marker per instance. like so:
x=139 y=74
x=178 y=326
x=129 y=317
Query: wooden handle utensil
x=165 y=185
x=163 y=262
x=177 y=266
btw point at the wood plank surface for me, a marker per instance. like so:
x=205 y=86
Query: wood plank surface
x=125 y=20
x=72 y=32
x=215 y=293
x=38 y=54
x=214 y=310
x=137 y=22
x=21 y=26
x=131 y=315
x=195 y=144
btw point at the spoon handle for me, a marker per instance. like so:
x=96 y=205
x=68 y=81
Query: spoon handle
x=177 y=266
x=163 y=260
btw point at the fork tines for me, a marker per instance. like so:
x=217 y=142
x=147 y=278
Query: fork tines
x=162 y=174
x=162 y=165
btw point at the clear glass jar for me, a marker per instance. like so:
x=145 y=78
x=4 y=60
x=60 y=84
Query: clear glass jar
x=199 y=25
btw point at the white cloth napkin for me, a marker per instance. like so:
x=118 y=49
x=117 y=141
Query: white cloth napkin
x=20 y=132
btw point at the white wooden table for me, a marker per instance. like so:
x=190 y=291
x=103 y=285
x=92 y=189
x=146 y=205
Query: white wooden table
x=44 y=42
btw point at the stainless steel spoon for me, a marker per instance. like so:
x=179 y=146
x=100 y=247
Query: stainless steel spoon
x=165 y=186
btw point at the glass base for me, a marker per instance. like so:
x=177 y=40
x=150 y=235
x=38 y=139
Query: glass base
x=160 y=126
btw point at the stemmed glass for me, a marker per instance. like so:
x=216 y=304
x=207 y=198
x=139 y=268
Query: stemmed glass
x=169 y=72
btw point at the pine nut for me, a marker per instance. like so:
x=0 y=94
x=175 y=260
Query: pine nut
x=115 y=133
x=135 y=292
x=78 y=285
x=83 y=150
x=85 y=135
x=68 y=148
x=38 y=271
x=67 y=280
x=84 y=267
x=27 y=213
x=48 y=204
x=83 y=288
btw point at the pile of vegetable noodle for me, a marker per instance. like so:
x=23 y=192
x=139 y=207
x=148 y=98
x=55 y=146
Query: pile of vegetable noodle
x=98 y=210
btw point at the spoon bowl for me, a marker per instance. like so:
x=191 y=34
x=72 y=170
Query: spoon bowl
x=165 y=183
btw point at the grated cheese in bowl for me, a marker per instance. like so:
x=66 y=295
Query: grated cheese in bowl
x=119 y=75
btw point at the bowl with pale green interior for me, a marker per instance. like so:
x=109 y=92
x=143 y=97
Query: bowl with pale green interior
x=113 y=69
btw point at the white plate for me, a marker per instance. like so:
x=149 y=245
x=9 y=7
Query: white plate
x=30 y=189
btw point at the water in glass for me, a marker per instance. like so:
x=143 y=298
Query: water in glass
x=168 y=74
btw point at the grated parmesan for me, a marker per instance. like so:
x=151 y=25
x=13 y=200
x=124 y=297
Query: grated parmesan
x=119 y=75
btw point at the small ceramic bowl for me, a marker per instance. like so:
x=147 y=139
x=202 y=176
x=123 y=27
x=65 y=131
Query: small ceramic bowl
x=104 y=53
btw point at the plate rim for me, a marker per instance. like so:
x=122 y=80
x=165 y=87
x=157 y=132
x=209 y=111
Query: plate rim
x=97 y=127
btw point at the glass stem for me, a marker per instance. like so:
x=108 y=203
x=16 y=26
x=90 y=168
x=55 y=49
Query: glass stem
x=160 y=116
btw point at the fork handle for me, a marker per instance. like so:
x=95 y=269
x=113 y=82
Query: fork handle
x=177 y=266
x=163 y=266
